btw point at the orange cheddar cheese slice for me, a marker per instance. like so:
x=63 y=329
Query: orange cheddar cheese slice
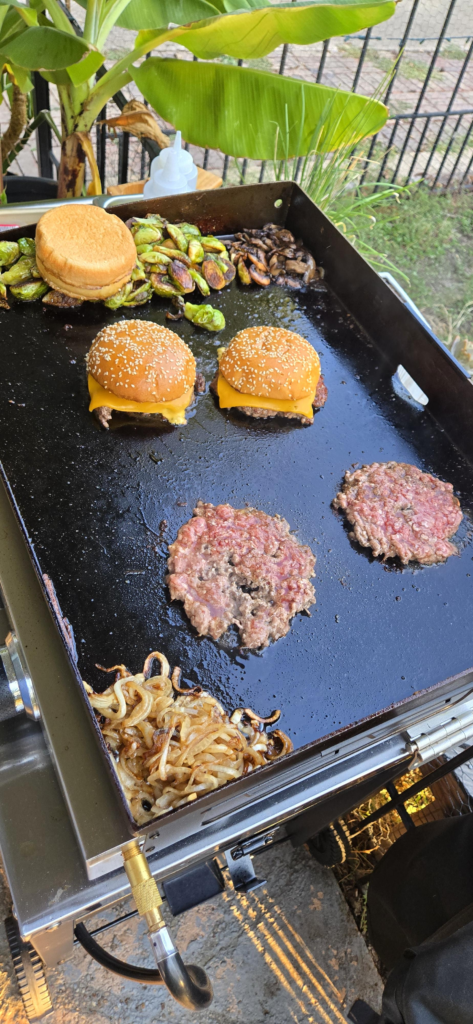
x=174 y=411
x=229 y=398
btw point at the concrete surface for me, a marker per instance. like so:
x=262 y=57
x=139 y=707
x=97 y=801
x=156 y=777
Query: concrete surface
x=288 y=954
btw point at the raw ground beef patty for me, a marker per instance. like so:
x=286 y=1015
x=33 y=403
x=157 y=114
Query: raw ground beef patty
x=240 y=566
x=397 y=510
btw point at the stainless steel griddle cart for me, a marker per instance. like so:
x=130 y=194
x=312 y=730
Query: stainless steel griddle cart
x=367 y=686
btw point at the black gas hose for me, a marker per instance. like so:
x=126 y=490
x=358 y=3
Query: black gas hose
x=144 y=975
x=187 y=983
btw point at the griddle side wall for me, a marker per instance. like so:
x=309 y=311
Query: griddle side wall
x=399 y=335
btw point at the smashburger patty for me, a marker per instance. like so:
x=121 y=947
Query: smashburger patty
x=104 y=413
x=240 y=566
x=320 y=399
x=398 y=510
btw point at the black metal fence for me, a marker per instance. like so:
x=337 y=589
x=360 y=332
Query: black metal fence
x=430 y=75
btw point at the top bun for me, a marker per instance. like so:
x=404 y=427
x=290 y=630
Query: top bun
x=83 y=248
x=141 y=361
x=270 y=362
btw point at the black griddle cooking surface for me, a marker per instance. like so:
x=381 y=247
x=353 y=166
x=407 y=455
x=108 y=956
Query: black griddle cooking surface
x=93 y=505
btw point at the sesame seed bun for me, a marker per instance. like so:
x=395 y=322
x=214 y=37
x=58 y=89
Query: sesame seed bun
x=84 y=251
x=270 y=362
x=141 y=361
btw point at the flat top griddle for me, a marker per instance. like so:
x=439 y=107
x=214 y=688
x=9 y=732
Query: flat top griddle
x=93 y=506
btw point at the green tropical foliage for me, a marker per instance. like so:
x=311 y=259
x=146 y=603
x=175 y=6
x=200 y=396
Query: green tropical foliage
x=251 y=103
x=216 y=105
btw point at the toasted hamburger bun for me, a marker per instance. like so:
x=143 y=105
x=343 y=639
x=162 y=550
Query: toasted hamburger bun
x=83 y=251
x=81 y=291
x=142 y=362
x=270 y=362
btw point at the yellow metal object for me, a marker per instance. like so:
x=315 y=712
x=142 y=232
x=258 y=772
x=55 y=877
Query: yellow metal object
x=143 y=886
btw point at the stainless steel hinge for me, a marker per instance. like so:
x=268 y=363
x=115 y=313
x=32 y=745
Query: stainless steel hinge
x=449 y=729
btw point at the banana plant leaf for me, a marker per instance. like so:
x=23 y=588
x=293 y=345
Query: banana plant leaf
x=255 y=114
x=159 y=13
x=248 y=34
x=20 y=76
x=29 y=16
x=143 y=14
x=85 y=68
x=243 y=5
x=43 y=48
x=12 y=25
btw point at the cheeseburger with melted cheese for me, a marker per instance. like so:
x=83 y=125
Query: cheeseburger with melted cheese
x=142 y=369
x=268 y=371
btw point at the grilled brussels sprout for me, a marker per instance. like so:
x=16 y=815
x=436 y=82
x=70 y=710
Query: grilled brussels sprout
x=211 y=244
x=177 y=236
x=180 y=277
x=155 y=218
x=195 y=251
x=200 y=281
x=166 y=255
x=204 y=316
x=146 y=233
x=22 y=270
x=189 y=230
x=28 y=291
x=163 y=286
x=151 y=258
x=213 y=274
x=27 y=246
x=117 y=300
x=139 y=296
x=243 y=272
x=138 y=273
x=227 y=268
x=9 y=252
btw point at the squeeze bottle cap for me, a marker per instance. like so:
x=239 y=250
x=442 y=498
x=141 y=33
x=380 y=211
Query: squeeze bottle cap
x=186 y=163
x=169 y=179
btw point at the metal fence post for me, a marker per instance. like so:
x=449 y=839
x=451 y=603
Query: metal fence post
x=449 y=108
x=424 y=87
x=43 y=133
x=389 y=91
x=460 y=154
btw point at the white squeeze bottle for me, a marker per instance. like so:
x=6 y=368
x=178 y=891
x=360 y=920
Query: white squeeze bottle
x=171 y=172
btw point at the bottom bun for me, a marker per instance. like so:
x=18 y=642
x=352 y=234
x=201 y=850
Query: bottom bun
x=76 y=291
